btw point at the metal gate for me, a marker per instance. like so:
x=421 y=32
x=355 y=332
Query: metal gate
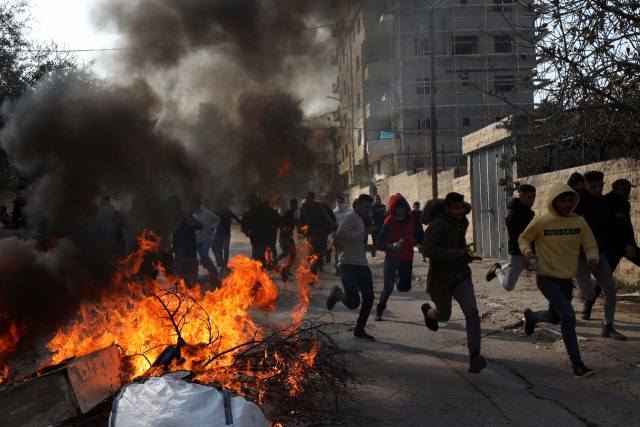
x=489 y=203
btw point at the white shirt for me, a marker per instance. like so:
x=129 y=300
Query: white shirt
x=210 y=222
x=351 y=236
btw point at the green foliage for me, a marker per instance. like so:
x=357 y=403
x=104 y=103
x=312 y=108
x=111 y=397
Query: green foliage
x=626 y=286
x=23 y=63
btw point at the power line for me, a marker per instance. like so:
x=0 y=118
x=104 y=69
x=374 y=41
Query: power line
x=218 y=42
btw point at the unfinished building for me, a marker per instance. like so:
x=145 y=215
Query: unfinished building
x=388 y=52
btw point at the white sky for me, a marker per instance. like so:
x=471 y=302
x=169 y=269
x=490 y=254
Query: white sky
x=68 y=23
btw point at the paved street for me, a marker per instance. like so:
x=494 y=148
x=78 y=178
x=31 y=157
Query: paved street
x=415 y=377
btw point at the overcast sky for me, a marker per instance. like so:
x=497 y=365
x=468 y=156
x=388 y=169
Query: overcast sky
x=68 y=23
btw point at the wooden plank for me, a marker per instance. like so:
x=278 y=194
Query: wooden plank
x=67 y=392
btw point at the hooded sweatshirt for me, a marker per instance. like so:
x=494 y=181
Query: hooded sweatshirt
x=558 y=238
x=518 y=218
x=443 y=242
x=394 y=229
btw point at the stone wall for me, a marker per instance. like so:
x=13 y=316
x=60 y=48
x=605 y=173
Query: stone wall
x=415 y=187
x=613 y=170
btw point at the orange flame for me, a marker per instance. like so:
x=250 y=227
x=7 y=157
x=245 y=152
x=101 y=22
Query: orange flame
x=210 y=327
x=284 y=168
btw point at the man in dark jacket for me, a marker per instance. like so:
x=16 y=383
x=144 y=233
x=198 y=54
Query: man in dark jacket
x=603 y=223
x=378 y=215
x=223 y=237
x=449 y=274
x=317 y=221
x=259 y=224
x=418 y=231
x=622 y=244
x=519 y=216
x=183 y=241
x=396 y=240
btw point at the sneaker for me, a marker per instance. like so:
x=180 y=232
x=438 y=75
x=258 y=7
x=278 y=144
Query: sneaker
x=359 y=333
x=529 y=326
x=609 y=332
x=585 y=314
x=581 y=371
x=431 y=323
x=476 y=363
x=334 y=297
x=378 y=316
x=492 y=272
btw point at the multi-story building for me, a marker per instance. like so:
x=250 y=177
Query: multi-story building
x=385 y=49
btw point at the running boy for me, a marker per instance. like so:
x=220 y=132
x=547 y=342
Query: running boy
x=354 y=269
x=396 y=240
x=601 y=218
x=558 y=235
x=519 y=216
x=449 y=274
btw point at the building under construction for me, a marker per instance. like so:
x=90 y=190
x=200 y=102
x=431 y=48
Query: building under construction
x=415 y=76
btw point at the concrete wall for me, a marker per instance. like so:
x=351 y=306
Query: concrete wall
x=613 y=170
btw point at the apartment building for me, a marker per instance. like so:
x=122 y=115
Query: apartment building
x=384 y=56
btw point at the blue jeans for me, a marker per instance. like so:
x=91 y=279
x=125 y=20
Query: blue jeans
x=203 y=251
x=558 y=293
x=396 y=272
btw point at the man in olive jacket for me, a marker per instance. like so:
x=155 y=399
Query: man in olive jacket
x=449 y=274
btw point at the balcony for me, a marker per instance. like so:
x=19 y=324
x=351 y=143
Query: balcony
x=380 y=148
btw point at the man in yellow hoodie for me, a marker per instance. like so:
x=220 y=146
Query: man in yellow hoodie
x=558 y=235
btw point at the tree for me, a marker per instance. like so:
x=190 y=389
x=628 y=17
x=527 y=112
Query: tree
x=23 y=63
x=587 y=80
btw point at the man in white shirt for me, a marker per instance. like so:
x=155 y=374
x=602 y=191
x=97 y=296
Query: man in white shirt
x=354 y=269
x=204 y=236
x=341 y=210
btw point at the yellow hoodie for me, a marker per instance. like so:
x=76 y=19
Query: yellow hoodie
x=558 y=238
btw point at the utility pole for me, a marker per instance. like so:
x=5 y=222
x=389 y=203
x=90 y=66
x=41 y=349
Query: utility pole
x=432 y=83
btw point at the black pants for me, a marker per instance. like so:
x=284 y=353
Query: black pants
x=615 y=258
x=221 y=250
x=356 y=280
x=318 y=243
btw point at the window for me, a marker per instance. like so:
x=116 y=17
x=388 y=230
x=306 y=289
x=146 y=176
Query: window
x=359 y=137
x=466 y=121
x=502 y=44
x=344 y=88
x=499 y=5
x=465 y=45
x=358 y=99
x=463 y=1
x=423 y=86
x=378 y=166
x=353 y=37
x=504 y=84
x=465 y=83
x=358 y=26
x=421 y=46
x=424 y=124
x=344 y=56
x=357 y=64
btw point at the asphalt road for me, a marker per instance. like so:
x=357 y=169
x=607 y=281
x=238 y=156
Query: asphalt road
x=416 y=377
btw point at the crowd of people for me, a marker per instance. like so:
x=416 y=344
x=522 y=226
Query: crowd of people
x=583 y=234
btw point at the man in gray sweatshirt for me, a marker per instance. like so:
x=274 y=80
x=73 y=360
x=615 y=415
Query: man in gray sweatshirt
x=354 y=269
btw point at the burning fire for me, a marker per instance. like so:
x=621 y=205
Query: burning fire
x=212 y=331
x=284 y=168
